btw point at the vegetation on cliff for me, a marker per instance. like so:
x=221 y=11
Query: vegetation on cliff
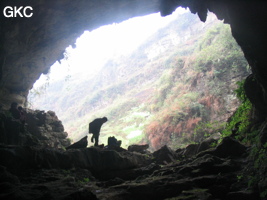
x=177 y=88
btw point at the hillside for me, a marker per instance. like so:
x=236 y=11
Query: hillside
x=172 y=90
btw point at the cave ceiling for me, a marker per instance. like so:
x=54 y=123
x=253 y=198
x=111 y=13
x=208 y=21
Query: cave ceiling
x=30 y=45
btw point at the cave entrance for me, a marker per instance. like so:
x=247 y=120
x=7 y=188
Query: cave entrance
x=156 y=80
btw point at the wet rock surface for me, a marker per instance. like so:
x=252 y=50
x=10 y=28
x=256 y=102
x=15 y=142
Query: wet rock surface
x=96 y=173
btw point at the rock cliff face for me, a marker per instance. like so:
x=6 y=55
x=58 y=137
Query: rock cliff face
x=31 y=45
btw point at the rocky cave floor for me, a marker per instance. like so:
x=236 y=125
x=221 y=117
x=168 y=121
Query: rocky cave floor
x=217 y=173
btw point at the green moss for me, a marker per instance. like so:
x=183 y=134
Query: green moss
x=240 y=121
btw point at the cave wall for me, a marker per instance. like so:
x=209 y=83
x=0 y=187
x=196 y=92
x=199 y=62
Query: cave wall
x=29 y=46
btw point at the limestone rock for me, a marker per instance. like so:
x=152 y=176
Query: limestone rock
x=82 y=143
x=95 y=173
x=206 y=144
x=164 y=155
x=138 y=148
x=96 y=159
x=47 y=128
x=190 y=150
x=230 y=147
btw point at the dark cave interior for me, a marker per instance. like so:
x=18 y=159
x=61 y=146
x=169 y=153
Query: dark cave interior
x=29 y=46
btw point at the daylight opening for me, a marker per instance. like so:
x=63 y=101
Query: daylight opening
x=159 y=80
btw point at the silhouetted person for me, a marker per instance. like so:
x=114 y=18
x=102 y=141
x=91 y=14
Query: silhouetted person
x=94 y=128
x=14 y=111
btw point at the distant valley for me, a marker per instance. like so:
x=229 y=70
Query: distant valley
x=175 y=89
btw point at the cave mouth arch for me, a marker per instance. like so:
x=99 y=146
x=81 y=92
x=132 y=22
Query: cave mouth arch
x=112 y=40
x=81 y=112
x=56 y=25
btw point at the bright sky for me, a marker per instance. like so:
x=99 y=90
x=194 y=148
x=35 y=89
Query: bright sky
x=94 y=48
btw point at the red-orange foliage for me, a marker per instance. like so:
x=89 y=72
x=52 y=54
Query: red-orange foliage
x=152 y=128
x=155 y=143
x=207 y=100
x=192 y=122
x=211 y=102
x=178 y=128
x=159 y=133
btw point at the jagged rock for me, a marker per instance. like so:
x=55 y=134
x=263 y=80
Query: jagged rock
x=207 y=164
x=121 y=175
x=263 y=133
x=244 y=195
x=96 y=159
x=82 y=143
x=50 y=184
x=115 y=148
x=263 y=183
x=206 y=144
x=198 y=193
x=114 y=144
x=138 y=148
x=164 y=155
x=263 y=137
x=81 y=194
x=111 y=182
x=60 y=135
x=190 y=150
x=194 y=149
x=7 y=177
x=52 y=115
x=256 y=95
x=133 y=173
x=230 y=147
x=47 y=128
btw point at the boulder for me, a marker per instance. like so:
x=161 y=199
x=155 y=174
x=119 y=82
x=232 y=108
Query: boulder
x=244 y=195
x=46 y=127
x=230 y=147
x=82 y=143
x=190 y=150
x=138 y=148
x=164 y=155
x=206 y=144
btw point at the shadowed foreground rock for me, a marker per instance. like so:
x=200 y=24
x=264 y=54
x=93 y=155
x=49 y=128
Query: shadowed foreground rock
x=82 y=143
x=95 y=173
x=42 y=129
x=94 y=159
x=138 y=148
